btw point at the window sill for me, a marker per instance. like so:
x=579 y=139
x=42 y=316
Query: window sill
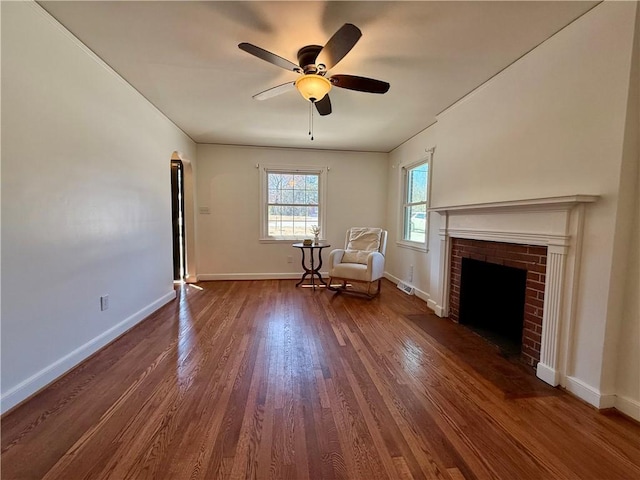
x=285 y=240
x=419 y=247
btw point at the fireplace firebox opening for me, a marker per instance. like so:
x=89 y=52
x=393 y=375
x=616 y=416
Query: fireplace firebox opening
x=492 y=299
x=531 y=258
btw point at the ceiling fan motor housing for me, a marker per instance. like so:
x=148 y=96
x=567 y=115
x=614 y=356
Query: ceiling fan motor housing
x=307 y=58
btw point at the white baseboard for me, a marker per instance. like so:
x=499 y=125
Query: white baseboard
x=203 y=277
x=44 y=377
x=589 y=394
x=422 y=295
x=548 y=374
x=628 y=406
x=391 y=278
x=439 y=311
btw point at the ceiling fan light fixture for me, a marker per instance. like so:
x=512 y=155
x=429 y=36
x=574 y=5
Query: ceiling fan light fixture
x=313 y=87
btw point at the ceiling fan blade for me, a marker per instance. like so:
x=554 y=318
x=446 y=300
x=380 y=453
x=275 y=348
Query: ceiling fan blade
x=323 y=106
x=268 y=56
x=275 y=91
x=361 y=84
x=339 y=45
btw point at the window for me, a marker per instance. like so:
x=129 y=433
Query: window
x=292 y=202
x=415 y=218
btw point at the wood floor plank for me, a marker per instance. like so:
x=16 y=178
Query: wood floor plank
x=372 y=421
x=455 y=474
x=414 y=431
x=260 y=379
x=402 y=468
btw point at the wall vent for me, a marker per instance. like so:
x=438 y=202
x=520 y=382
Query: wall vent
x=406 y=288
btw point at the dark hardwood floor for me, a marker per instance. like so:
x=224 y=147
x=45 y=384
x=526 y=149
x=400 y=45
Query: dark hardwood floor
x=259 y=379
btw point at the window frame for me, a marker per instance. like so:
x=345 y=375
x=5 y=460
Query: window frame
x=264 y=200
x=403 y=202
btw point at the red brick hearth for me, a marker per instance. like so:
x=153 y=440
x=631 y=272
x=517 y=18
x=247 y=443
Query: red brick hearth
x=531 y=258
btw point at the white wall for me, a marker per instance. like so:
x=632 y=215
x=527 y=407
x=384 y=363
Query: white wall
x=551 y=124
x=624 y=355
x=85 y=202
x=627 y=349
x=400 y=259
x=228 y=182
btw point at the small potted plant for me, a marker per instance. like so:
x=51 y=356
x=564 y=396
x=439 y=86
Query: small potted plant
x=315 y=229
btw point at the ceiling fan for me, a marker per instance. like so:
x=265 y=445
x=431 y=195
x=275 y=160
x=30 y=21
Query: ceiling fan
x=314 y=62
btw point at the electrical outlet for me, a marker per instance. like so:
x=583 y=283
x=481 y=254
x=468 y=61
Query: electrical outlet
x=289 y=259
x=104 y=302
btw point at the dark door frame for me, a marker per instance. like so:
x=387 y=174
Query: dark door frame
x=178 y=220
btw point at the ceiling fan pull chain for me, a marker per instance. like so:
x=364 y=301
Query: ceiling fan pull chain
x=310 y=107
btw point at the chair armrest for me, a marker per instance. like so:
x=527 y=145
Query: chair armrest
x=335 y=257
x=375 y=265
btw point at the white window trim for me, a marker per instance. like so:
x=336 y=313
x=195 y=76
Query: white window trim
x=322 y=200
x=402 y=188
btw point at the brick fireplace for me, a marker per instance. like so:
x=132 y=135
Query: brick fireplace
x=532 y=258
x=542 y=234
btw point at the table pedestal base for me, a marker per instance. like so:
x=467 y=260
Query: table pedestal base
x=311 y=270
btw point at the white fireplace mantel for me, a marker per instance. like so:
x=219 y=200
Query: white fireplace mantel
x=533 y=204
x=554 y=222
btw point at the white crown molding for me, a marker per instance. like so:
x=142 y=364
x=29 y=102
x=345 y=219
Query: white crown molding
x=95 y=58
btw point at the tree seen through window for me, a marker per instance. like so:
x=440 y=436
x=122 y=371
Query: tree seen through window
x=292 y=203
x=415 y=202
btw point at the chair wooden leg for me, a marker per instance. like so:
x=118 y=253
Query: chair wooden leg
x=343 y=288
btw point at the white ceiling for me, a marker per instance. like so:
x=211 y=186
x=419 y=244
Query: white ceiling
x=183 y=57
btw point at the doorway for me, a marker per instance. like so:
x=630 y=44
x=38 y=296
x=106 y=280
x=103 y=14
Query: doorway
x=178 y=219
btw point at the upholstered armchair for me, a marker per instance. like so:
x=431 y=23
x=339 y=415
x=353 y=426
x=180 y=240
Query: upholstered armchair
x=361 y=260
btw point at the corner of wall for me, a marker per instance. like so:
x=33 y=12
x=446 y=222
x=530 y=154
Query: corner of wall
x=623 y=315
x=627 y=343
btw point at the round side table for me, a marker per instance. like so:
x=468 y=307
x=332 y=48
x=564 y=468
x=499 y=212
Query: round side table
x=312 y=269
